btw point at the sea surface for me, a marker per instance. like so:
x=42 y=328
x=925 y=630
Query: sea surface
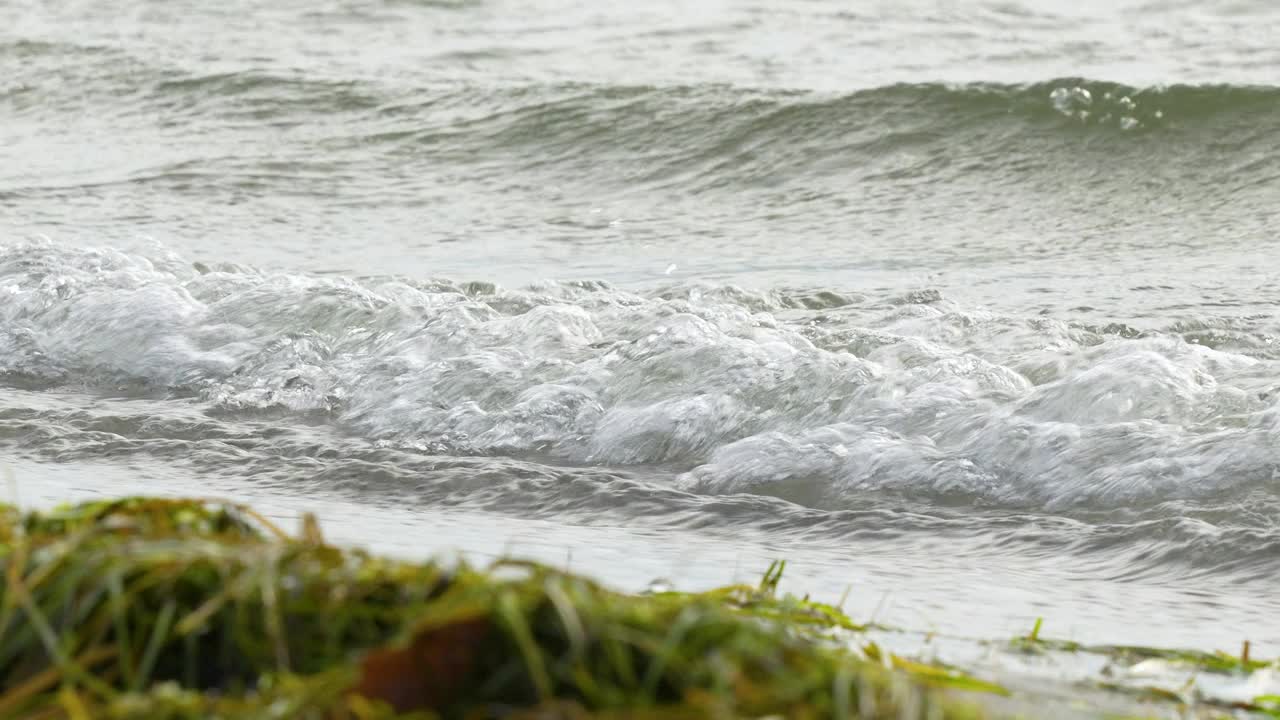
x=966 y=309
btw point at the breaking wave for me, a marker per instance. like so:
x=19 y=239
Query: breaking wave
x=816 y=397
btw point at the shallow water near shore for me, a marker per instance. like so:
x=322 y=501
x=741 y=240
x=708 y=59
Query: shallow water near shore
x=970 y=310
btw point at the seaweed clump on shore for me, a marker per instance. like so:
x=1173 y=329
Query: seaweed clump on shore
x=149 y=608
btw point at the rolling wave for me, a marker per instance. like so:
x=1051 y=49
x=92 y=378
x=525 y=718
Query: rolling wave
x=694 y=139
x=1229 y=540
x=909 y=398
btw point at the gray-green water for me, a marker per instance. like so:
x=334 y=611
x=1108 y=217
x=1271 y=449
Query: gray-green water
x=969 y=305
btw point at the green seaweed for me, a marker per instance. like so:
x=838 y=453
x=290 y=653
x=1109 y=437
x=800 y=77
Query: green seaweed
x=185 y=608
x=1214 y=662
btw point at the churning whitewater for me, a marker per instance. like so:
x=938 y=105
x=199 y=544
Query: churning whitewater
x=832 y=402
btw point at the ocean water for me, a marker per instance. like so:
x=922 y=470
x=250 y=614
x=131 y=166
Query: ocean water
x=969 y=309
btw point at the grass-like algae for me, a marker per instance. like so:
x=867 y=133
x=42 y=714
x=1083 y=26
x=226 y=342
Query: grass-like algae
x=162 y=608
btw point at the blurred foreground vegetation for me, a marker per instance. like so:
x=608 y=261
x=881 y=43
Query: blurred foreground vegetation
x=149 y=608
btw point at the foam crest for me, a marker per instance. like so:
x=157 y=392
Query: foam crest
x=911 y=397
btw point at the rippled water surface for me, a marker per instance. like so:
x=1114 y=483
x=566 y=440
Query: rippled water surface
x=969 y=306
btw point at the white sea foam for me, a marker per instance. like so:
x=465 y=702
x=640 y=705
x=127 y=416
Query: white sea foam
x=743 y=392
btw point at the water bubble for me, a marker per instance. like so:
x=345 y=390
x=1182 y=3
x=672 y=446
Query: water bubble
x=1061 y=99
x=1071 y=102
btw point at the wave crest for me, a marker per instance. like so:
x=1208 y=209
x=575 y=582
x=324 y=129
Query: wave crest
x=934 y=405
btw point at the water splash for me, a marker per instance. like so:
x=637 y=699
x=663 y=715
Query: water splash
x=923 y=400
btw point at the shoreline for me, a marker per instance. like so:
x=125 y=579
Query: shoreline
x=991 y=594
x=119 y=608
